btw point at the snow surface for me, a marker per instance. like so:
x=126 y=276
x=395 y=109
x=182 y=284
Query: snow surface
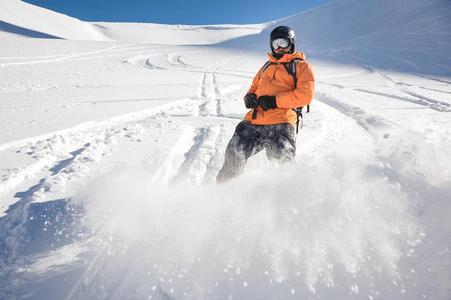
x=109 y=151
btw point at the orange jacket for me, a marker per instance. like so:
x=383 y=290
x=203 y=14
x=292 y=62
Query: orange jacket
x=276 y=81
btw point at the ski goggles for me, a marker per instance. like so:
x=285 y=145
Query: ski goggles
x=280 y=43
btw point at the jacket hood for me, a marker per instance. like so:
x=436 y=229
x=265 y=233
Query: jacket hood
x=287 y=57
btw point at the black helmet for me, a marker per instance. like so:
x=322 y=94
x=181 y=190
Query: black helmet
x=284 y=32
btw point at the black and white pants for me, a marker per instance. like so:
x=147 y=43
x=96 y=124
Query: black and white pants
x=279 y=141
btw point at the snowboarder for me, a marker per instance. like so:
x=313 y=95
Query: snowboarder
x=279 y=90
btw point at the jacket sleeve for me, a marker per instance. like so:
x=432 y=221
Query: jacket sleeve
x=303 y=93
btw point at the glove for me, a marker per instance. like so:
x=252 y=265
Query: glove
x=267 y=102
x=250 y=100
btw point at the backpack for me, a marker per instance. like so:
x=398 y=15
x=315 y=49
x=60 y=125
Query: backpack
x=291 y=69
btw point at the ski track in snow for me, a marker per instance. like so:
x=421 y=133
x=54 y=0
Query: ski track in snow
x=411 y=97
x=200 y=146
x=174 y=61
x=50 y=147
x=417 y=98
x=114 y=50
x=364 y=119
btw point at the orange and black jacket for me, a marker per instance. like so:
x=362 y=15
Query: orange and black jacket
x=276 y=81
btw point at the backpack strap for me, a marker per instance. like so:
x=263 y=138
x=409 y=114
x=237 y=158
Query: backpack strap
x=265 y=66
x=291 y=69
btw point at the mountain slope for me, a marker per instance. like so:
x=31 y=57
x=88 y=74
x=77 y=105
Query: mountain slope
x=23 y=19
x=175 y=34
x=409 y=36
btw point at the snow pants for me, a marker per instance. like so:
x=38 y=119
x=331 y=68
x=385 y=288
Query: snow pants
x=279 y=141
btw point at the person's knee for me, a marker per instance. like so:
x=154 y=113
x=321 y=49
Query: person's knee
x=283 y=142
x=242 y=127
x=244 y=143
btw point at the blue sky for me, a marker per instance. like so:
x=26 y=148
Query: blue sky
x=179 y=11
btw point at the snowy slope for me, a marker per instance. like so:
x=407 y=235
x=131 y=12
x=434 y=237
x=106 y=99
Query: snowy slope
x=175 y=34
x=23 y=19
x=408 y=36
x=375 y=25
x=109 y=152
